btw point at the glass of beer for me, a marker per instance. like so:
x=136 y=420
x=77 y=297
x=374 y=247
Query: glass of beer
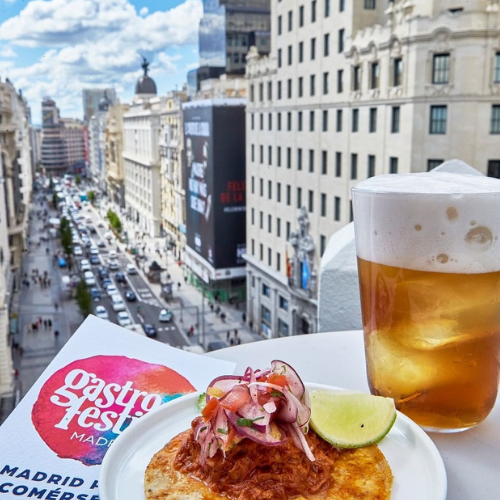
x=429 y=273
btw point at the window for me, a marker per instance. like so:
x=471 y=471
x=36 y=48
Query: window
x=301 y=86
x=299 y=159
x=311 y=201
x=322 y=245
x=280 y=58
x=441 y=68
x=313 y=49
x=438 y=120
x=395 y=119
x=261 y=154
x=324 y=162
x=283 y=329
x=261 y=92
x=299 y=121
x=336 y=211
x=323 y=205
x=278 y=227
x=278 y=155
x=279 y=121
x=341 y=41
x=280 y=25
x=354 y=166
x=299 y=197
x=253 y=152
x=261 y=220
x=495 y=119
x=311 y=121
x=269 y=257
x=261 y=187
x=373 y=120
x=278 y=192
x=393 y=165
x=356 y=78
x=397 y=79
x=312 y=85
x=496 y=73
x=253 y=185
x=340 y=81
x=370 y=4
x=326 y=45
x=290 y=20
x=350 y=211
x=328 y=8
x=269 y=91
x=253 y=216
x=494 y=168
x=253 y=253
x=311 y=160
x=269 y=223
x=283 y=303
x=371 y=165
x=288 y=157
x=266 y=290
x=339 y=120
x=301 y=16
x=290 y=58
x=355 y=120
x=431 y=164
x=338 y=164
x=289 y=88
x=252 y=120
x=269 y=155
x=325 y=120
x=252 y=93
x=261 y=121
x=269 y=121
x=341 y=5
x=325 y=83
x=279 y=90
x=288 y=195
x=288 y=230
x=313 y=11
x=289 y=121
x=374 y=75
x=301 y=52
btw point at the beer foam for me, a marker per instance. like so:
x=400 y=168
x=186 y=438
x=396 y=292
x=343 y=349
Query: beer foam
x=438 y=222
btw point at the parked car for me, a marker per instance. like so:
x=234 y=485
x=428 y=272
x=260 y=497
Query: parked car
x=130 y=296
x=94 y=260
x=94 y=250
x=117 y=302
x=149 y=330
x=165 y=316
x=120 y=278
x=100 y=312
x=100 y=224
x=89 y=278
x=95 y=293
x=77 y=251
x=85 y=265
x=111 y=289
x=113 y=265
x=123 y=318
x=62 y=262
x=131 y=269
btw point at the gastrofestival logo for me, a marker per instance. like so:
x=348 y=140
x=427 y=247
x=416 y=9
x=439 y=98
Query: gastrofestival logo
x=85 y=406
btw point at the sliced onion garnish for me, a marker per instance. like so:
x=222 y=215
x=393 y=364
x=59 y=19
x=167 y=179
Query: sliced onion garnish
x=270 y=407
x=297 y=387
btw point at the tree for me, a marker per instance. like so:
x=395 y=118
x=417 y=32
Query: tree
x=91 y=196
x=51 y=183
x=78 y=180
x=83 y=299
x=55 y=201
x=114 y=221
x=66 y=237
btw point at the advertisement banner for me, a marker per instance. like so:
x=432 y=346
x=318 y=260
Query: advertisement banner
x=214 y=177
x=105 y=377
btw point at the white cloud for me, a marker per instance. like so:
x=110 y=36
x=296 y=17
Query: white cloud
x=94 y=43
x=144 y=11
x=7 y=51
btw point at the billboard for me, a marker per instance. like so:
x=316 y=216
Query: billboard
x=214 y=181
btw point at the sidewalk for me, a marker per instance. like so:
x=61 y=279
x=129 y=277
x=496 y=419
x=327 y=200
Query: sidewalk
x=187 y=299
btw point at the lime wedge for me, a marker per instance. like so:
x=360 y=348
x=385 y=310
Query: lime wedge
x=348 y=419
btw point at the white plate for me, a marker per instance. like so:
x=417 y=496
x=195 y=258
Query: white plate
x=417 y=466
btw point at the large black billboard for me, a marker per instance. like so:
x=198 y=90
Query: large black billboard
x=214 y=181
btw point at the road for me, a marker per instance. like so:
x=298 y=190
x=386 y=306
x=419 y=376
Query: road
x=146 y=308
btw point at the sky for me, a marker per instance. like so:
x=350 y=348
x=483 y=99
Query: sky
x=56 y=48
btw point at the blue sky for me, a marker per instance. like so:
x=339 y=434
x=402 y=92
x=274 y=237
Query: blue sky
x=58 y=47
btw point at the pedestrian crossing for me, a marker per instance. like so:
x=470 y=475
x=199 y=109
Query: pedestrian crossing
x=147 y=297
x=166 y=328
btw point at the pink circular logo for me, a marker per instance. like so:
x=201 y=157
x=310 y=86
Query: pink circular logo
x=85 y=406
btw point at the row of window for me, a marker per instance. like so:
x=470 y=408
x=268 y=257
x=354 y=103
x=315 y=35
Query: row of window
x=313 y=11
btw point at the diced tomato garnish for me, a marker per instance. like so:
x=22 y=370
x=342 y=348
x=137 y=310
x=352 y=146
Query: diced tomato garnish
x=277 y=379
x=262 y=379
x=210 y=409
x=235 y=399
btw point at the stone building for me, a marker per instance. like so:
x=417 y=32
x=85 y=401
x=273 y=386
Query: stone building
x=351 y=90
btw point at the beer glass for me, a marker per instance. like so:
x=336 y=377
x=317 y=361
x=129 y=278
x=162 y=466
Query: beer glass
x=429 y=273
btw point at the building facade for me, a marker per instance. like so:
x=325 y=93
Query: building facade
x=54 y=158
x=173 y=210
x=141 y=157
x=75 y=144
x=114 y=157
x=92 y=98
x=351 y=90
x=97 y=167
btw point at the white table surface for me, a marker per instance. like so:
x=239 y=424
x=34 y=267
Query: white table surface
x=471 y=458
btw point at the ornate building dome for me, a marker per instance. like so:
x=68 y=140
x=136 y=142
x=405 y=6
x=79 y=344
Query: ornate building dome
x=145 y=84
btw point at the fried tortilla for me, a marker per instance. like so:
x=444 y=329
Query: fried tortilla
x=253 y=471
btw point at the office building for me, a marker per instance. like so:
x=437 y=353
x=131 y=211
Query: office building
x=53 y=150
x=92 y=98
x=97 y=145
x=351 y=90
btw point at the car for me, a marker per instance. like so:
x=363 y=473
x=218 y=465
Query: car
x=95 y=293
x=130 y=296
x=120 y=278
x=89 y=278
x=83 y=230
x=103 y=272
x=94 y=250
x=100 y=224
x=131 y=269
x=101 y=244
x=77 y=251
x=111 y=289
x=62 y=262
x=165 y=316
x=117 y=302
x=84 y=265
x=100 y=312
x=112 y=255
x=94 y=260
x=88 y=220
x=108 y=235
x=92 y=229
x=149 y=330
x=113 y=265
x=216 y=345
x=123 y=318
x=87 y=243
x=106 y=282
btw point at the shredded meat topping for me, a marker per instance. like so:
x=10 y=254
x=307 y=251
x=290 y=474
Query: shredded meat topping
x=252 y=470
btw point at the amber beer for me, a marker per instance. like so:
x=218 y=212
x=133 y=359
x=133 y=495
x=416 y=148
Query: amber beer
x=429 y=273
